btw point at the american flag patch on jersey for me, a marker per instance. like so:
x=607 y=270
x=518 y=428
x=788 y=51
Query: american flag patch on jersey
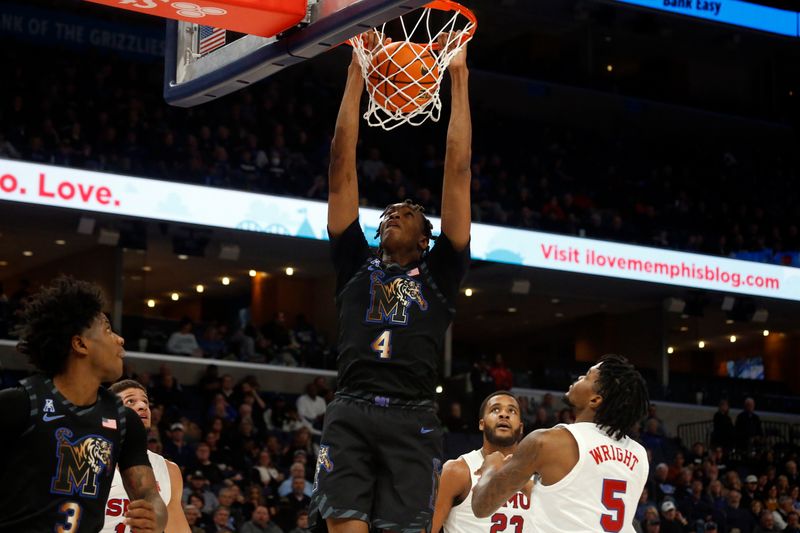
x=211 y=38
x=109 y=423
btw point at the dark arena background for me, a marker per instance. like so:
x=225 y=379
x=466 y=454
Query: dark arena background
x=635 y=171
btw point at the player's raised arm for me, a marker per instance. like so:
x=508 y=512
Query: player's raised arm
x=500 y=478
x=342 y=179
x=456 y=204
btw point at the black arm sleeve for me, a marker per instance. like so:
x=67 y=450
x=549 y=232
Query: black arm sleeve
x=15 y=410
x=348 y=251
x=134 y=449
x=447 y=266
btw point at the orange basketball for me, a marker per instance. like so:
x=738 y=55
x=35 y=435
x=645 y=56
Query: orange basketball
x=403 y=77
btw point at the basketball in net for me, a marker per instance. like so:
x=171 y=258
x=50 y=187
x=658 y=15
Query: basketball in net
x=403 y=68
x=403 y=77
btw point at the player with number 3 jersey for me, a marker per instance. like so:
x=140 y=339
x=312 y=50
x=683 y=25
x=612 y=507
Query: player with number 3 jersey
x=64 y=434
x=501 y=426
x=590 y=474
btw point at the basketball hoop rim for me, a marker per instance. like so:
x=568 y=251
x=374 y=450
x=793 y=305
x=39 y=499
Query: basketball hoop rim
x=448 y=5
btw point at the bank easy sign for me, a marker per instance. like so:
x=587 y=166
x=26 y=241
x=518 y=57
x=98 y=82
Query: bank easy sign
x=177 y=202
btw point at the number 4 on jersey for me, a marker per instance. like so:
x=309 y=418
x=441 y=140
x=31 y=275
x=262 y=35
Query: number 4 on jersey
x=382 y=344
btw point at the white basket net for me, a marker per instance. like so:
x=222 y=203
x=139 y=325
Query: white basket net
x=407 y=91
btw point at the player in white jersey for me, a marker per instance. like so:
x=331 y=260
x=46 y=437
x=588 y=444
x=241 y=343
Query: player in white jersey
x=501 y=425
x=168 y=476
x=590 y=474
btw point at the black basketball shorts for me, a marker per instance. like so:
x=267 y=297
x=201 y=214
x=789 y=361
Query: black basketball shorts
x=379 y=462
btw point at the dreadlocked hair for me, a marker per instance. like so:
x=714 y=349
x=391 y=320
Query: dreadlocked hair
x=625 y=396
x=427 y=227
x=49 y=320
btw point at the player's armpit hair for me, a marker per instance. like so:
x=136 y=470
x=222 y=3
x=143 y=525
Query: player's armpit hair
x=49 y=320
x=625 y=396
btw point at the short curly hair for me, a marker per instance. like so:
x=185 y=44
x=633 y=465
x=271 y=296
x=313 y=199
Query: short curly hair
x=49 y=320
x=485 y=402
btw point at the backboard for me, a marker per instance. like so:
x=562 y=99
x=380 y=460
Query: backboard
x=204 y=63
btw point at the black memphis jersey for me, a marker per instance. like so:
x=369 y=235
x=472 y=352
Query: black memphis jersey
x=56 y=474
x=393 y=319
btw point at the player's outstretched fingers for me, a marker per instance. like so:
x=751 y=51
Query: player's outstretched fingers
x=372 y=40
x=450 y=41
x=141 y=517
x=447 y=40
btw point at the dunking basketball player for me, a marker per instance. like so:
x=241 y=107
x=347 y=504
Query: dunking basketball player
x=501 y=425
x=63 y=434
x=380 y=453
x=169 y=479
x=590 y=474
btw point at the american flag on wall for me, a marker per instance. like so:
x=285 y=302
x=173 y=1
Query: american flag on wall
x=211 y=38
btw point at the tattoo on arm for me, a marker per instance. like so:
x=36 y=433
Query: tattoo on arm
x=496 y=487
x=140 y=484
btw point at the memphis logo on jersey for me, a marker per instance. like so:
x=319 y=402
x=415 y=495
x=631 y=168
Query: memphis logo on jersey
x=80 y=463
x=391 y=299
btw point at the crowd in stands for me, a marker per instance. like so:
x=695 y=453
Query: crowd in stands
x=743 y=482
x=273 y=343
x=248 y=457
x=633 y=184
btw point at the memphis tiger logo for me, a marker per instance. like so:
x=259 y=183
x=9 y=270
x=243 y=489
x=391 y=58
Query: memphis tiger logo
x=391 y=299
x=80 y=463
x=323 y=462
